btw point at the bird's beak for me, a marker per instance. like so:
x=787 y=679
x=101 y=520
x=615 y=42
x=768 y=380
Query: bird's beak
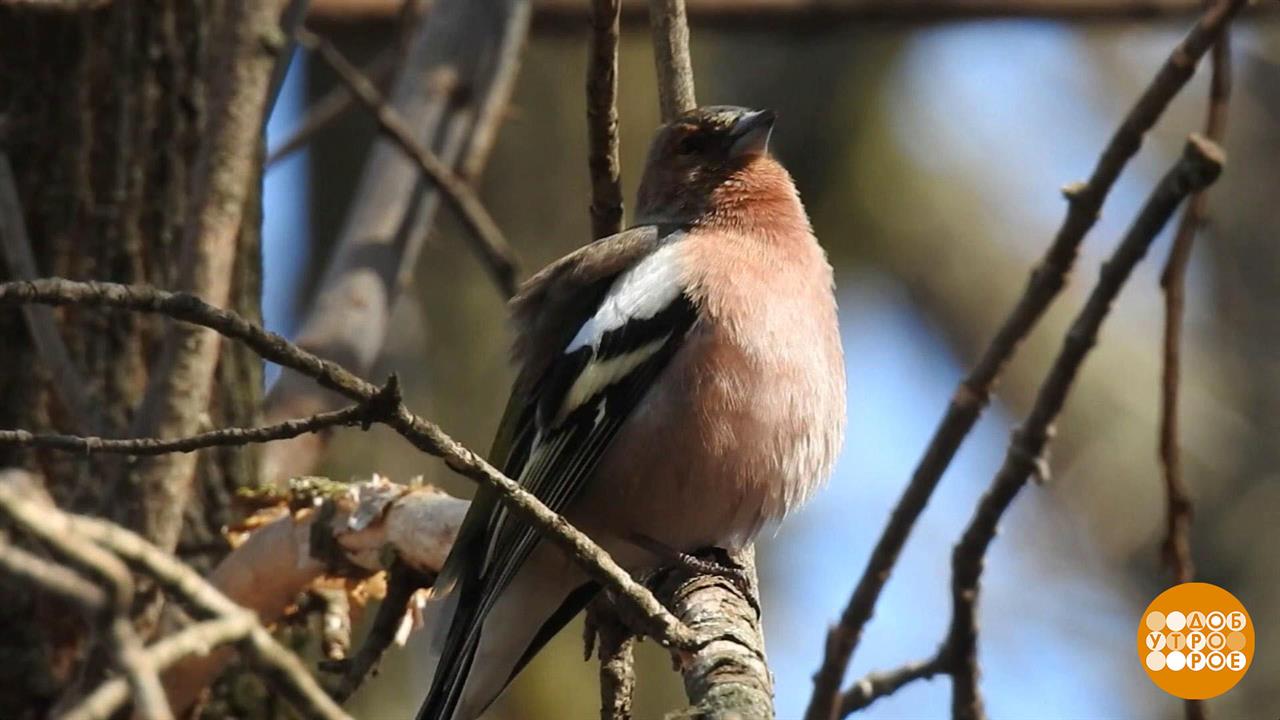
x=751 y=134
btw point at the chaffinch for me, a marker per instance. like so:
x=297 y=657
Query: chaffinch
x=681 y=382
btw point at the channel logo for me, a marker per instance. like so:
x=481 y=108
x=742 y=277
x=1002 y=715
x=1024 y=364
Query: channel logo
x=1195 y=641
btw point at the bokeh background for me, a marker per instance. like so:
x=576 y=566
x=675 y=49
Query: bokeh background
x=929 y=154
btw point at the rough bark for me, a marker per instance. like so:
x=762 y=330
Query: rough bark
x=103 y=115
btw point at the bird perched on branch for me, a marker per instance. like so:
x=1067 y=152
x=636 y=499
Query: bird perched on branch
x=680 y=385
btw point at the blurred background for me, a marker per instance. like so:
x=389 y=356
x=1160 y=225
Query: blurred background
x=929 y=152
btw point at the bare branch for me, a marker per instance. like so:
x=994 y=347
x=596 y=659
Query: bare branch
x=602 y=120
x=1084 y=203
x=68 y=383
x=331 y=106
x=226 y=437
x=458 y=70
x=614 y=644
x=193 y=640
x=283 y=670
x=1199 y=166
x=22 y=501
x=492 y=247
x=1176 y=548
x=38 y=571
x=1177 y=544
x=726 y=674
x=671 y=55
x=177 y=395
x=882 y=684
x=655 y=620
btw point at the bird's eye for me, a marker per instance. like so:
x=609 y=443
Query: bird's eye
x=692 y=144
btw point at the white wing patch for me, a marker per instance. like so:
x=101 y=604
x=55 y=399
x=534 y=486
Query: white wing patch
x=642 y=292
x=600 y=374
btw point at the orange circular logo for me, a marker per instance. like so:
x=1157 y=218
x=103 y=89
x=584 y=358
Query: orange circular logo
x=1195 y=641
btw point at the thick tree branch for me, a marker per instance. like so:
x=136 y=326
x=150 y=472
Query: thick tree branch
x=487 y=240
x=602 y=120
x=1199 y=166
x=1084 y=203
x=451 y=89
x=671 y=56
x=726 y=674
x=655 y=620
x=178 y=393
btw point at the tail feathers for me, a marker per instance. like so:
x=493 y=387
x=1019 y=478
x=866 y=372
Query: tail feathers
x=455 y=653
x=481 y=653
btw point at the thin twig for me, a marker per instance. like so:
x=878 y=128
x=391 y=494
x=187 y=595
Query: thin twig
x=67 y=382
x=22 y=501
x=877 y=685
x=1176 y=549
x=1200 y=164
x=225 y=437
x=971 y=396
x=602 y=120
x=329 y=108
x=671 y=56
x=655 y=620
x=488 y=240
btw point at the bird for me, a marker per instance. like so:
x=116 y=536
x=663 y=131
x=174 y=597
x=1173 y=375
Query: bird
x=680 y=385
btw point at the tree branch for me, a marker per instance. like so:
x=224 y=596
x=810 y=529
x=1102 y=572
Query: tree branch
x=971 y=396
x=726 y=674
x=882 y=684
x=18 y=491
x=671 y=56
x=1199 y=166
x=67 y=382
x=331 y=106
x=655 y=620
x=178 y=392
x=602 y=120
x=451 y=89
x=487 y=239
x=1176 y=549
x=614 y=644
x=226 y=437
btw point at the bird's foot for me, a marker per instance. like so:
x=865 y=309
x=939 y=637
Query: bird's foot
x=707 y=561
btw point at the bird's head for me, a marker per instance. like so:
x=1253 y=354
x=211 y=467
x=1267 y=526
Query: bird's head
x=711 y=161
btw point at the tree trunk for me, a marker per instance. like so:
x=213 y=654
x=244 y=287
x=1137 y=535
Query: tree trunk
x=102 y=115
